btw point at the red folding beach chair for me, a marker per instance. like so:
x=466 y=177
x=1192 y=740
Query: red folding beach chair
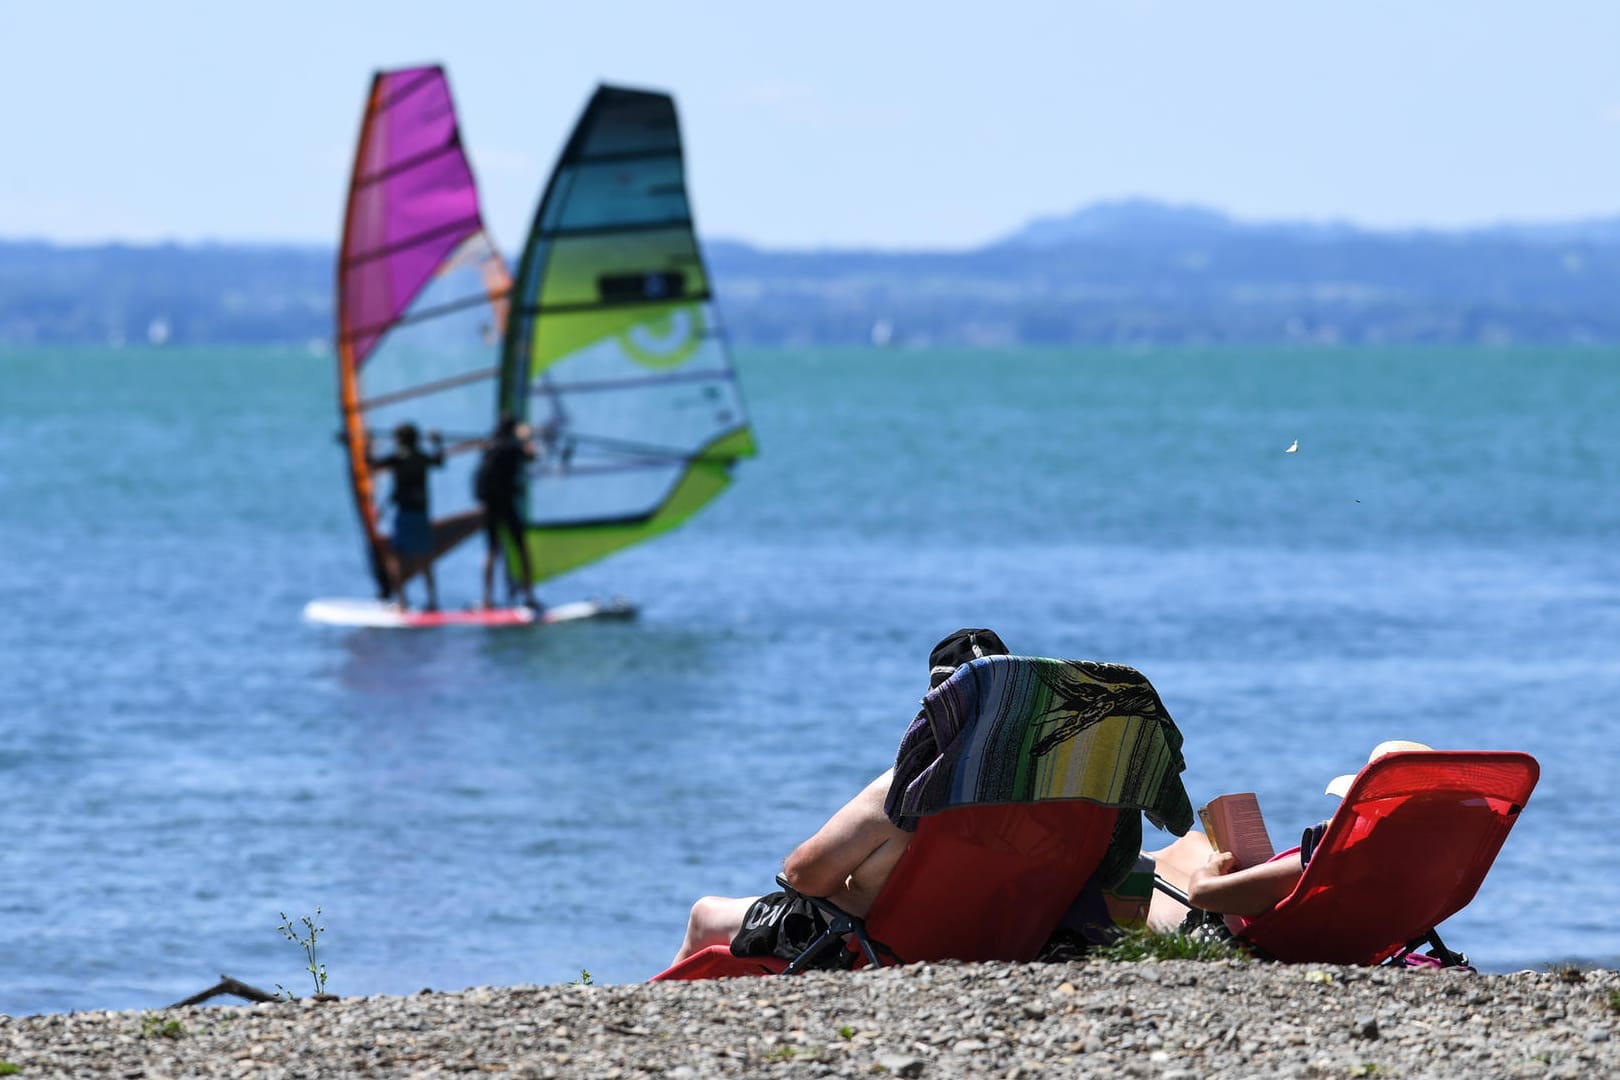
x=1407 y=848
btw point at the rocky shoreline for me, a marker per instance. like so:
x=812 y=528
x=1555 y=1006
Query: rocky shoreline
x=1153 y=1019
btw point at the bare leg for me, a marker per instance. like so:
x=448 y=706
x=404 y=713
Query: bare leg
x=489 y=577
x=432 y=588
x=1175 y=864
x=715 y=920
x=528 y=576
x=405 y=568
x=396 y=579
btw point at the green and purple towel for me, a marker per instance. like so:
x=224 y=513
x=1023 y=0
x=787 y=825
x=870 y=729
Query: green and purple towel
x=1008 y=729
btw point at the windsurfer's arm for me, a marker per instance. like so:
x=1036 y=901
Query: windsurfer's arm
x=437 y=456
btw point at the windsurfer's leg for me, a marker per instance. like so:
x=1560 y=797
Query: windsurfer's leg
x=379 y=572
x=514 y=527
x=402 y=569
x=492 y=543
x=715 y=920
x=392 y=578
x=528 y=575
x=432 y=587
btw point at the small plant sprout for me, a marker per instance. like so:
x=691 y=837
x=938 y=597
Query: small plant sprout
x=154 y=1026
x=583 y=980
x=316 y=969
x=846 y=1032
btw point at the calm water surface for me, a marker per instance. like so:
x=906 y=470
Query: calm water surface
x=183 y=759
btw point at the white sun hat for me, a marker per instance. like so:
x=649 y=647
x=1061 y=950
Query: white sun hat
x=1341 y=784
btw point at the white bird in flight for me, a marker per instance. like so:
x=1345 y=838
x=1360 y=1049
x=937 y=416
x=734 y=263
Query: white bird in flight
x=1292 y=447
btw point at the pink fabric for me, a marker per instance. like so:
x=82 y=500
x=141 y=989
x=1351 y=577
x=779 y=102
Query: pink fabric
x=414 y=201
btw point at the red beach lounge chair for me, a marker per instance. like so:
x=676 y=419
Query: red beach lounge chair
x=983 y=882
x=1407 y=848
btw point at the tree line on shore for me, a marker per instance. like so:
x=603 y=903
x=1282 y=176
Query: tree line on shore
x=1132 y=273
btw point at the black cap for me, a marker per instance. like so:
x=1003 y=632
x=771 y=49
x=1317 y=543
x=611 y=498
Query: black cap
x=962 y=647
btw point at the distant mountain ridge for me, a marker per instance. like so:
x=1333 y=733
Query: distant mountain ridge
x=1143 y=219
x=1126 y=272
x=1146 y=219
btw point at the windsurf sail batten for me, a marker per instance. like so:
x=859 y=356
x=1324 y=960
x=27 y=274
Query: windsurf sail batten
x=415 y=260
x=614 y=349
x=481 y=375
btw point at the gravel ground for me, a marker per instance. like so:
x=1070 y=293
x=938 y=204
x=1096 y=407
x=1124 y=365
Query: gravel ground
x=1160 y=1019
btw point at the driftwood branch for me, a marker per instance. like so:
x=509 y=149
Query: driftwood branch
x=227 y=985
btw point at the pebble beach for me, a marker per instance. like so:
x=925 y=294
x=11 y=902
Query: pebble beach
x=1153 y=1018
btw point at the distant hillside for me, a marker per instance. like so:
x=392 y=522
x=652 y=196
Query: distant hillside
x=207 y=294
x=1126 y=272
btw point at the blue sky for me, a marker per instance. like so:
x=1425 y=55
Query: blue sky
x=872 y=124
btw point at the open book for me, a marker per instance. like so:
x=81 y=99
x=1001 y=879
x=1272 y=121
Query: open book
x=1233 y=823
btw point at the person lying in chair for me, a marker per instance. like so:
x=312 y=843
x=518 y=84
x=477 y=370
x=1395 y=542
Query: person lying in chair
x=846 y=862
x=1020 y=781
x=1214 y=881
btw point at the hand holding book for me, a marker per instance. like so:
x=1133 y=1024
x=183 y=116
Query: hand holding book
x=1233 y=823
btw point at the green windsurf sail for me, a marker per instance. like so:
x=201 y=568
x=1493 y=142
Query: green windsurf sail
x=614 y=352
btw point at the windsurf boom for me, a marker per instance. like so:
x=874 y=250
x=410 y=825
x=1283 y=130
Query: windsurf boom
x=614 y=351
x=422 y=297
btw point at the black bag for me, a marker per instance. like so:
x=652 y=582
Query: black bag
x=783 y=924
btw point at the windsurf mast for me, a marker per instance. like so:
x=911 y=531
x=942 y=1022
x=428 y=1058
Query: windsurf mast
x=415 y=257
x=614 y=351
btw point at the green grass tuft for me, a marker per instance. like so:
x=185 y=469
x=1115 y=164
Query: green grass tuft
x=8 y=1068
x=1156 y=945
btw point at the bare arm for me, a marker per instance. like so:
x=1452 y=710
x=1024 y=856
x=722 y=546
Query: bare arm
x=1220 y=886
x=848 y=858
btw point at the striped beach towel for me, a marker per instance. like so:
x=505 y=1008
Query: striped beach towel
x=1008 y=729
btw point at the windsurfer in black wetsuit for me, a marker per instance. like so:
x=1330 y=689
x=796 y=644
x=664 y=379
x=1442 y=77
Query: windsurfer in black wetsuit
x=499 y=486
x=412 y=541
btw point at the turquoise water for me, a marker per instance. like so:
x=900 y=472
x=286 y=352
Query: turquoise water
x=183 y=759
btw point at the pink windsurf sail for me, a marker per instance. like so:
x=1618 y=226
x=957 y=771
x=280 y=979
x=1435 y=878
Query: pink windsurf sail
x=422 y=296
